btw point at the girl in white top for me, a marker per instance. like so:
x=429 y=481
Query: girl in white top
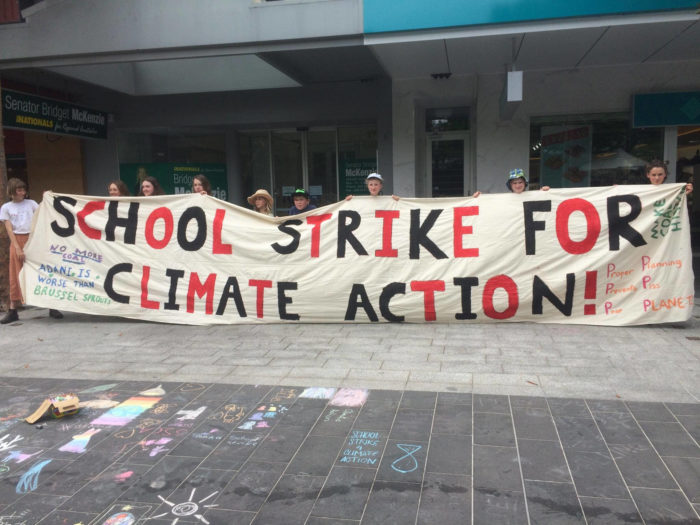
x=17 y=217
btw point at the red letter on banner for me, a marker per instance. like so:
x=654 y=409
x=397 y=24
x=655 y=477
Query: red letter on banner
x=387 y=217
x=166 y=215
x=261 y=285
x=315 y=221
x=197 y=287
x=505 y=282
x=460 y=230
x=564 y=211
x=428 y=288
x=219 y=247
x=90 y=233
x=145 y=301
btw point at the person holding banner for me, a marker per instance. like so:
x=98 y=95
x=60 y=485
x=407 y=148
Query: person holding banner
x=117 y=188
x=150 y=187
x=261 y=201
x=200 y=184
x=657 y=173
x=17 y=216
x=517 y=182
x=375 y=185
x=302 y=202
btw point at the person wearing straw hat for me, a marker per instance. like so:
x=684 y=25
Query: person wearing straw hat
x=261 y=201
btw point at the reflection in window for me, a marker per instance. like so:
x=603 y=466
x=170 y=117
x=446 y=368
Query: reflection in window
x=590 y=150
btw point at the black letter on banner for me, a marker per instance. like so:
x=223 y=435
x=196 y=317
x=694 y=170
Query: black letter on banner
x=283 y=300
x=466 y=284
x=345 y=232
x=109 y=282
x=69 y=230
x=295 y=235
x=231 y=290
x=358 y=292
x=389 y=291
x=129 y=222
x=532 y=225
x=174 y=275
x=620 y=226
x=419 y=235
x=540 y=290
x=196 y=213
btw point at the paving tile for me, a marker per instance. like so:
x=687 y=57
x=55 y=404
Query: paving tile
x=450 y=454
x=493 y=429
x=553 y=503
x=316 y=456
x=642 y=467
x=579 y=433
x=691 y=425
x=595 y=475
x=249 y=489
x=489 y=403
x=498 y=506
x=604 y=511
x=497 y=468
x=452 y=419
x=291 y=500
x=445 y=498
x=607 y=405
x=684 y=409
x=543 y=461
x=620 y=428
x=671 y=439
x=391 y=502
x=568 y=407
x=412 y=424
x=686 y=471
x=533 y=423
x=650 y=411
x=659 y=507
x=344 y=493
x=403 y=461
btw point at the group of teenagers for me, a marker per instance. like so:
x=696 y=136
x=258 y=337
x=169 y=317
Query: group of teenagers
x=18 y=212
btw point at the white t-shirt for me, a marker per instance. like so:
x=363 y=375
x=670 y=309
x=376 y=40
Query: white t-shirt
x=19 y=214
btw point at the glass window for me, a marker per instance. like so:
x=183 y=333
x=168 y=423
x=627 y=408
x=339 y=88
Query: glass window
x=357 y=158
x=254 y=148
x=322 y=167
x=287 y=168
x=447 y=119
x=590 y=150
x=182 y=148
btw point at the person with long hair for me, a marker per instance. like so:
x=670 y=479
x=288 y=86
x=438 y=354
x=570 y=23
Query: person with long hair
x=117 y=188
x=17 y=216
x=200 y=184
x=261 y=201
x=150 y=187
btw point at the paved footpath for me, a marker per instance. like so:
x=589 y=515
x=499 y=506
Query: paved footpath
x=343 y=424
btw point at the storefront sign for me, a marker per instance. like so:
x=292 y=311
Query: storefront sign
x=353 y=174
x=666 y=109
x=24 y=111
x=175 y=178
x=608 y=256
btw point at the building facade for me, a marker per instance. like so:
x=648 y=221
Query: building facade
x=442 y=99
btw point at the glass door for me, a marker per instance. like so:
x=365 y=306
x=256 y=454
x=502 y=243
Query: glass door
x=286 y=168
x=448 y=165
x=322 y=166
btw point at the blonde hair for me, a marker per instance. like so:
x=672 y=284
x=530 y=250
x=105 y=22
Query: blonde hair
x=13 y=184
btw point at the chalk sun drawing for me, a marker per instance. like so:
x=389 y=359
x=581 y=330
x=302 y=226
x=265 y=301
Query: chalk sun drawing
x=187 y=508
x=30 y=479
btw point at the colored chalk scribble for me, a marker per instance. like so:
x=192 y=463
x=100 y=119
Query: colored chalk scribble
x=262 y=417
x=349 y=397
x=127 y=411
x=79 y=442
x=318 y=393
x=408 y=462
x=30 y=479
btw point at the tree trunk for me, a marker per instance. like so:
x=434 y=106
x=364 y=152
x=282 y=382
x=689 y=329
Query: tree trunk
x=4 y=239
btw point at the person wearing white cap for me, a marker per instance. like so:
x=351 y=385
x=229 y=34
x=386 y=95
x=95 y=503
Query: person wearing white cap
x=261 y=201
x=375 y=184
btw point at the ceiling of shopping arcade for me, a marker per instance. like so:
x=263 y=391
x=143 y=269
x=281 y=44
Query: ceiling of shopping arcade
x=563 y=44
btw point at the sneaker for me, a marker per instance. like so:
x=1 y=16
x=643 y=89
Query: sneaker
x=10 y=317
x=55 y=314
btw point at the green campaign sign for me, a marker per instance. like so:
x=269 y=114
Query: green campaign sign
x=353 y=174
x=24 y=111
x=175 y=178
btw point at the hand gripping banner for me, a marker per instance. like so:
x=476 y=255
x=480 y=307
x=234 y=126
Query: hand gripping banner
x=607 y=256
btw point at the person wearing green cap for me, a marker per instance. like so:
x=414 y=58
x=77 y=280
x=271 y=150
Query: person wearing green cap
x=302 y=202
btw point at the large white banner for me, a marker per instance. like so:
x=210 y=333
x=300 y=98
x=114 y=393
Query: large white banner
x=609 y=256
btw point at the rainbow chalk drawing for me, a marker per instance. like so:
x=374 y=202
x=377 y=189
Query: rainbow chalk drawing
x=349 y=397
x=318 y=393
x=79 y=442
x=127 y=411
x=18 y=457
